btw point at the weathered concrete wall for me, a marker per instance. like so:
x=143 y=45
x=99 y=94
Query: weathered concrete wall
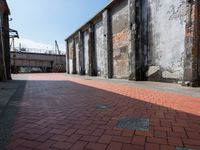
x=120 y=36
x=141 y=40
x=166 y=39
x=99 y=51
x=86 y=50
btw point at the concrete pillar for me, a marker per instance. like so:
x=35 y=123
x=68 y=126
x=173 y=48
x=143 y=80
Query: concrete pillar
x=74 y=58
x=81 y=56
x=91 y=43
x=139 y=36
x=107 y=44
x=192 y=46
x=132 y=35
x=67 y=56
x=7 y=46
x=3 y=72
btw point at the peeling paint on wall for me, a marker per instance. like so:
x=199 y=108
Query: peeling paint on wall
x=166 y=37
x=100 y=56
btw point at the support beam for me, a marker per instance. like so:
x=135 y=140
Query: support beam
x=67 y=56
x=107 y=44
x=192 y=46
x=132 y=35
x=91 y=42
x=81 y=56
x=74 y=58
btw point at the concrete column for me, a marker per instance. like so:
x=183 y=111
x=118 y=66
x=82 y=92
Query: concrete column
x=7 y=46
x=107 y=44
x=3 y=72
x=132 y=35
x=81 y=56
x=67 y=56
x=91 y=51
x=192 y=46
x=74 y=58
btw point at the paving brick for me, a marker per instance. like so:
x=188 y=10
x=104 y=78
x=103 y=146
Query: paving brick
x=132 y=147
x=46 y=145
x=160 y=134
x=60 y=138
x=64 y=112
x=114 y=146
x=44 y=137
x=156 y=140
x=73 y=138
x=191 y=142
x=175 y=141
x=70 y=132
x=112 y=132
x=62 y=145
x=121 y=139
x=105 y=139
x=89 y=138
x=144 y=133
x=167 y=147
x=128 y=133
x=83 y=132
x=139 y=140
x=98 y=132
x=96 y=146
x=150 y=146
x=30 y=144
x=79 y=145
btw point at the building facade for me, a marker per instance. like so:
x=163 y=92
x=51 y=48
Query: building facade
x=155 y=40
x=4 y=42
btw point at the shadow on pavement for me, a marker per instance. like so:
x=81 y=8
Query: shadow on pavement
x=39 y=107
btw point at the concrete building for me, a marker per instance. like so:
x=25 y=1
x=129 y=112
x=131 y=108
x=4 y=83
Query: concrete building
x=156 y=40
x=4 y=42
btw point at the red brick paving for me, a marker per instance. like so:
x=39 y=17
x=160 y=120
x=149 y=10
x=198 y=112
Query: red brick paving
x=58 y=113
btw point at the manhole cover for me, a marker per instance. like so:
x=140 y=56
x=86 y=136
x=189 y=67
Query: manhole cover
x=103 y=106
x=133 y=124
x=88 y=79
x=183 y=148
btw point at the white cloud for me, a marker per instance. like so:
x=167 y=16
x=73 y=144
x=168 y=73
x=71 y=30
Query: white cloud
x=27 y=43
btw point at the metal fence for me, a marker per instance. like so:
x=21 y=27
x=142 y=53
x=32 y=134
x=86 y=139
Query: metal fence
x=35 y=50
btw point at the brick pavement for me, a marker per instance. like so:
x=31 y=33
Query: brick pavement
x=58 y=112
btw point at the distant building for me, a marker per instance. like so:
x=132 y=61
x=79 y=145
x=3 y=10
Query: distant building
x=4 y=42
x=154 y=40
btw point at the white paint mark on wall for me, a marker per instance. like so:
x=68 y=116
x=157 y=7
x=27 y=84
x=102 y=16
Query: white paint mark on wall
x=100 y=56
x=167 y=35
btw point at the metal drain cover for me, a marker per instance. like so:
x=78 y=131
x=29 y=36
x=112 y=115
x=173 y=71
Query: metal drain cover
x=103 y=106
x=133 y=124
x=183 y=148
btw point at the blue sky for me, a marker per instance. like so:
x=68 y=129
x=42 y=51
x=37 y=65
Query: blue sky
x=47 y=20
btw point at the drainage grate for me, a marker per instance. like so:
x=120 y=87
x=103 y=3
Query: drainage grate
x=103 y=106
x=183 y=148
x=133 y=124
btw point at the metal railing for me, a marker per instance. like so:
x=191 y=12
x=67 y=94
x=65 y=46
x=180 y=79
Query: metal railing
x=35 y=50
